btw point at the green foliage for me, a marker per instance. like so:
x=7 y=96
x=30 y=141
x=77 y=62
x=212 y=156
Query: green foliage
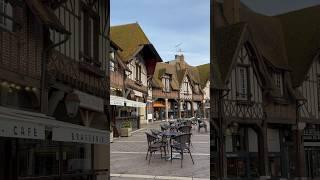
x=126 y=124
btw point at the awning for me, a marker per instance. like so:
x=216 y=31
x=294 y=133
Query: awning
x=121 y=101
x=23 y=124
x=158 y=105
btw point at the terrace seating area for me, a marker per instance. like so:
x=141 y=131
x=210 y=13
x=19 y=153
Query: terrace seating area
x=168 y=149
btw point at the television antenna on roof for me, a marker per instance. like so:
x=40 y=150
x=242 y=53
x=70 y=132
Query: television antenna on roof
x=178 y=49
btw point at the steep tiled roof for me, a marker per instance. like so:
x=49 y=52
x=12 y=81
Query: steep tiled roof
x=204 y=74
x=130 y=37
x=302 y=39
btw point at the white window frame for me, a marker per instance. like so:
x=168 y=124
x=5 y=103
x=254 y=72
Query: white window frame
x=6 y=8
x=243 y=83
x=166 y=83
x=278 y=80
x=112 y=66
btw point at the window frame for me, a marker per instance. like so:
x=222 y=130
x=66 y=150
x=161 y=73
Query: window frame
x=166 y=80
x=239 y=81
x=90 y=44
x=6 y=16
x=138 y=72
x=278 y=78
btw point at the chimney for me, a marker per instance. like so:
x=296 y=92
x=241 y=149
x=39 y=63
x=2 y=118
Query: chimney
x=231 y=11
x=180 y=61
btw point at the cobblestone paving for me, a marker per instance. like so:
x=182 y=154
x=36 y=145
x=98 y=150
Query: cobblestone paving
x=128 y=158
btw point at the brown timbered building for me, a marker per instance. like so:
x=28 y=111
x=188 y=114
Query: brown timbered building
x=177 y=90
x=54 y=84
x=140 y=57
x=264 y=87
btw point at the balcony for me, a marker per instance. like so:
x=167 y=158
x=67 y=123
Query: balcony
x=64 y=69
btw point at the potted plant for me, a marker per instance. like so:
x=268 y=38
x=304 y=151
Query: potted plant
x=126 y=128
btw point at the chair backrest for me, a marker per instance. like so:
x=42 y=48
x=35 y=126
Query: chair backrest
x=184 y=129
x=163 y=127
x=183 y=139
x=188 y=123
x=150 y=138
x=155 y=132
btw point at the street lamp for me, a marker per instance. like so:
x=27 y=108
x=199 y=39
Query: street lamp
x=72 y=102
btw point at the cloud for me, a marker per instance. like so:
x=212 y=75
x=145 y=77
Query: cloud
x=168 y=23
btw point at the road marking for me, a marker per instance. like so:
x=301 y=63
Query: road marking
x=156 y=177
x=198 y=142
x=130 y=152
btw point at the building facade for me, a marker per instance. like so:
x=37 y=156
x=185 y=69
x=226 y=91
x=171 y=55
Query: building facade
x=263 y=94
x=140 y=58
x=177 y=90
x=53 y=94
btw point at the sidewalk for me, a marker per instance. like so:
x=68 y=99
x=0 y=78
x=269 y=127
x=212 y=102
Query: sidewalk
x=128 y=158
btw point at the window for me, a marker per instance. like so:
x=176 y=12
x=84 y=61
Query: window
x=318 y=92
x=186 y=87
x=138 y=72
x=91 y=34
x=278 y=82
x=112 y=66
x=166 y=83
x=5 y=15
x=242 y=88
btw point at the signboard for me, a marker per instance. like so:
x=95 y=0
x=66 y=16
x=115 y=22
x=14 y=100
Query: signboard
x=134 y=103
x=80 y=135
x=20 y=129
x=90 y=102
x=116 y=101
x=137 y=93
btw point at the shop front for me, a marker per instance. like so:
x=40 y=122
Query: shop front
x=36 y=146
x=125 y=110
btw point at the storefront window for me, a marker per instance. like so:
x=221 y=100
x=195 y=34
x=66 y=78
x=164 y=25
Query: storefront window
x=49 y=158
x=236 y=167
x=38 y=158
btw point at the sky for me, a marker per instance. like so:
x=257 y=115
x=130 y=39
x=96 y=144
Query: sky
x=274 y=7
x=168 y=23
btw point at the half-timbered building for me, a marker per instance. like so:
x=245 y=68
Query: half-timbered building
x=177 y=90
x=54 y=85
x=258 y=106
x=140 y=56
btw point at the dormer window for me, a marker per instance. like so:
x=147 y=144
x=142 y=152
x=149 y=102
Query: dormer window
x=242 y=84
x=278 y=80
x=166 y=83
x=138 y=72
x=186 y=86
x=112 y=66
x=5 y=15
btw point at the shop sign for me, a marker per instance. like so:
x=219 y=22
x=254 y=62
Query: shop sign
x=17 y=129
x=80 y=136
x=90 y=102
x=116 y=101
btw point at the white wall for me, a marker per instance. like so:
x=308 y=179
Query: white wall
x=310 y=91
x=132 y=67
x=183 y=89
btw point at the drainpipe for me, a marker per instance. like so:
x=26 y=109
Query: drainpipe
x=44 y=73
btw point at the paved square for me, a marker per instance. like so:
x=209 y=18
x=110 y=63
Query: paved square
x=128 y=158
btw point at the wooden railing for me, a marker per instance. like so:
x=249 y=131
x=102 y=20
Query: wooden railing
x=158 y=93
x=67 y=70
x=134 y=85
x=239 y=110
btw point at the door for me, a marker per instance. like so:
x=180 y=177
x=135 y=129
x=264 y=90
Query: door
x=7 y=160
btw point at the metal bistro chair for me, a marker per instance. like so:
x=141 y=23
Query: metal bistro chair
x=155 y=144
x=155 y=132
x=202 y=124
x=182 y=144
x=164 y=127
x=185 y=130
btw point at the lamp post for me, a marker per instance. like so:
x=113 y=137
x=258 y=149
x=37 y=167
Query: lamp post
x=72 y=102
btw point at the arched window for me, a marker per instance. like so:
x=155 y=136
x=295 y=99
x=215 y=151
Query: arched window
x=5 y=15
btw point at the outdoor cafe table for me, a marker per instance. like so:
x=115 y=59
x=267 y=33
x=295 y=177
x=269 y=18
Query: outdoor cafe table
x=171 y=135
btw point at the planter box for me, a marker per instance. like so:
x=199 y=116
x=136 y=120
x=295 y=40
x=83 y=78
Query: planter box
x=125 y=132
